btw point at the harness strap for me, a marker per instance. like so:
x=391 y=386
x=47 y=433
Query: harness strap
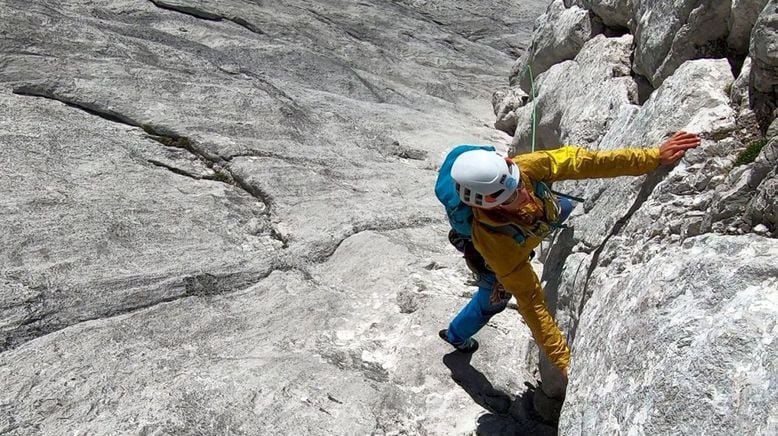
x=572 y=197
x=511 y=230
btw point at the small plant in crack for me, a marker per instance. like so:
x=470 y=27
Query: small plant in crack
x=751 y=152
x=170 y=141
x=221 y=176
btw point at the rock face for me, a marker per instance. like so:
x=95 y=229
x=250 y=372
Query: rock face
x=666 y=34
x=559 y=34
x=665 y=284
x=601 y=73
x=218 y=217
x=764 y=52
x=679 y=355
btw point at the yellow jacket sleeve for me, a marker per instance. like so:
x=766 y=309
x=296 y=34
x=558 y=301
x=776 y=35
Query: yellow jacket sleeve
x=510 y=262
x=568 y=163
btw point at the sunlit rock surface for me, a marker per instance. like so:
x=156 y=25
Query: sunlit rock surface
x=666 y=285
x=218 y=217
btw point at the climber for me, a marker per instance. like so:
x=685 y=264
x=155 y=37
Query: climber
x=513 y=209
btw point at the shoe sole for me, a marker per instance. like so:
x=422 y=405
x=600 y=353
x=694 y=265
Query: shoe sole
x=469 y=350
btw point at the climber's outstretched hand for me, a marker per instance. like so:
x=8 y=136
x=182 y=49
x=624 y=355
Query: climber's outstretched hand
x=675 y=147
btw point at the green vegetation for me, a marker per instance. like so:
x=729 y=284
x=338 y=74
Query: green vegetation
x=751 y=152
x=169 y=140
x=220 y=176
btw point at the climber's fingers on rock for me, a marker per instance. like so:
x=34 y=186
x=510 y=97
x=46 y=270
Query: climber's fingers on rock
x=675 y=147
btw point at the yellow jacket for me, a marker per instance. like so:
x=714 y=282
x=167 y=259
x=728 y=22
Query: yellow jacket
x=510 y=259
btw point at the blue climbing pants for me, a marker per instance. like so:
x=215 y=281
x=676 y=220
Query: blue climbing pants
x=479 y=310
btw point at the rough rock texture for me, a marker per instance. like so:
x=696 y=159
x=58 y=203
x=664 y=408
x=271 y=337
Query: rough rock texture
x=571 y=96
x=761 y=214
x=678 y=356
x=558 y=35
x=664 y=284
x=505 y=103
x=613 y=13
x=742 y=201
x=741 y=22
x=218 y=217
x=667 y=33
x=764 y=52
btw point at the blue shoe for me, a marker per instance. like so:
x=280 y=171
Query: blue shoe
x=470 y=346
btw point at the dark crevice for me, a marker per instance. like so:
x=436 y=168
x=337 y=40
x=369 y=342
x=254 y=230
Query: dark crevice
x=204 y=15
x=614 y=31
x=173 y=169
x=34 y=91
x=186 y=10
x=161 y=135
x=714 y=49
x=736 y=62
x=275 y=234
x=201 y=285
x=246 y=25
x=221 y=172
x=645 y=191
x=645 y=88
x=256 y=192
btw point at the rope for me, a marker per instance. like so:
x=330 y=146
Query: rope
x=534 y=104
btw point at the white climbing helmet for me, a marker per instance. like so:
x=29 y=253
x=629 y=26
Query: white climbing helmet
x=484 y=179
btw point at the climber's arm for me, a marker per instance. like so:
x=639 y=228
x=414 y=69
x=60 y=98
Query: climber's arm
x=568 y=163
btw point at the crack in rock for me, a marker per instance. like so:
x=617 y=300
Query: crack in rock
x=32 y=90
x=200 y=285
x=159 y=134
x=205 y=15
x=217 y=164
x=381 y=225
x=187 y=10
x=645 y=191
x=173 y=169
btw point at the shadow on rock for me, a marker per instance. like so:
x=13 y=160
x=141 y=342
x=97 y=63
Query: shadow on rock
x=508 y=415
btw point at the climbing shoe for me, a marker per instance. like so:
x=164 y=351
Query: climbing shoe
x=468 y=347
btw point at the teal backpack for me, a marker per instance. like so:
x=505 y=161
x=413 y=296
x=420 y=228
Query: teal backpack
x=460 y=215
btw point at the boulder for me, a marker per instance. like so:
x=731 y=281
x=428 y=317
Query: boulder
x=742 y=18
x=669 y=33
x=571 y=96
x=559 y=35
x=677 y=340
x=505 y=102
x=613 y=13
x=764 y=70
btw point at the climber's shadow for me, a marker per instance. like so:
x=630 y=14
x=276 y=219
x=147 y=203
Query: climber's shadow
x=508 y=415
